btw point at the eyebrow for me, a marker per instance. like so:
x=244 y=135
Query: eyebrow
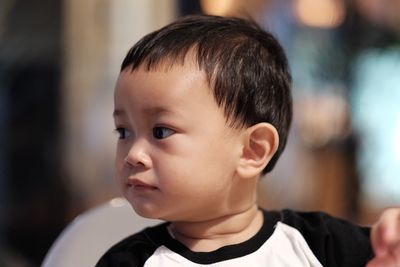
x=155 y=110
x=149 y=110
x=118 y=113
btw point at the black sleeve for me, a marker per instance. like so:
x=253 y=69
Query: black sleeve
x=335 y=242
x=132 y=251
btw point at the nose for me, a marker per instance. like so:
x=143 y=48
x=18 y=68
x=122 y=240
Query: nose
x=138 y=155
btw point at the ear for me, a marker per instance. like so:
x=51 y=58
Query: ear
x=259 y=145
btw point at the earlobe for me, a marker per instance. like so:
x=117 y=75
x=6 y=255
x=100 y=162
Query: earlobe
x=260 y=144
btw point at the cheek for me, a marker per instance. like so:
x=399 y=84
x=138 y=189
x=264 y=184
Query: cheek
x=218 y=155
x=121 y=151
x=119 y=163
x=198 y=155
x=194 y=172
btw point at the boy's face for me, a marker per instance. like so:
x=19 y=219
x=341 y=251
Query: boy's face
x=176 y=155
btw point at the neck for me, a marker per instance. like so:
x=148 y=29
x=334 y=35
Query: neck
x=212 y=234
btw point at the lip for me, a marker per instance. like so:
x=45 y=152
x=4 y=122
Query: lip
x=140 y=185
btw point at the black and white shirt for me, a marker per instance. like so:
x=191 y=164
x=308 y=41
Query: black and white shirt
x=287 y=238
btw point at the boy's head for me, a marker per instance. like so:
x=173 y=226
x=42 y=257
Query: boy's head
x=245 y=68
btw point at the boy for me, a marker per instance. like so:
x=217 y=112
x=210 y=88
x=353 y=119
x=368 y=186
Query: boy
x=202 y=109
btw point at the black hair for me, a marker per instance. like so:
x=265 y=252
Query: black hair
x=246 y=67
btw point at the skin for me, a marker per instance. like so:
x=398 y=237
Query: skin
x=385 y=239
x=178 y=159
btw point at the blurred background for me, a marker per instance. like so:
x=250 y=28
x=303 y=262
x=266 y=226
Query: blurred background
x=59 y=60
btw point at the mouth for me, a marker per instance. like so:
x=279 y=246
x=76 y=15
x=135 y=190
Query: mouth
x=139 y=185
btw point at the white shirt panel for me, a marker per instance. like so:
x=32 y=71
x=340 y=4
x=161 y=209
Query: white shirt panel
x=285 y=248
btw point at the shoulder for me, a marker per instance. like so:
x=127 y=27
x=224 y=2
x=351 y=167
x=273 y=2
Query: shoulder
x=334 y=241
x=307 y=221
x=320 y=224
x=133 y=250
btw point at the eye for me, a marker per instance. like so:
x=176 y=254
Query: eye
x=162 y=132
x=122 y=132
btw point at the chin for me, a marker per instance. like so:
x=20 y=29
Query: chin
x=147 y=212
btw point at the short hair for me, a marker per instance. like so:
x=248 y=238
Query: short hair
x=245 y=66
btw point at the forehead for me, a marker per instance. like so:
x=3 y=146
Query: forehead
x=174 y=88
